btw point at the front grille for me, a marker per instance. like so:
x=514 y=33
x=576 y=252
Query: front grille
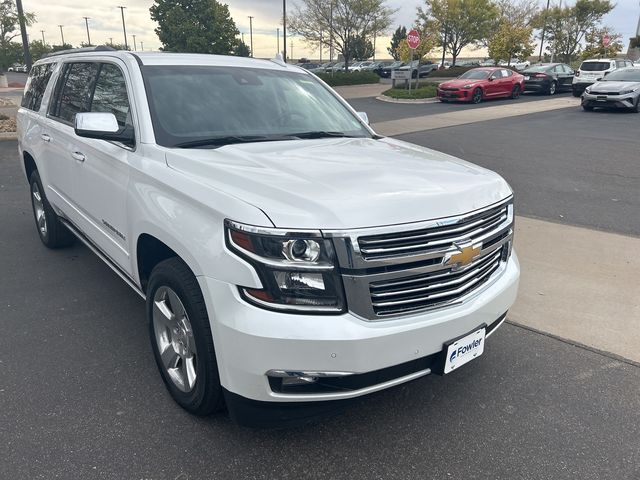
x=433 y=289
x=449 y=89
x=399 y=270
x=431 y=239
x=605 y=93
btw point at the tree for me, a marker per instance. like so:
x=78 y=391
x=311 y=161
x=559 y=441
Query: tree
x=196 y=26
x=9 y=29
x=595 y=48
x=320 y=22
x=38 y=49
x=566 y=27
x=361 y=48
x=459 y=23
x=120 y=46
x=398 y=35
x=511 y=41
x=241 y=49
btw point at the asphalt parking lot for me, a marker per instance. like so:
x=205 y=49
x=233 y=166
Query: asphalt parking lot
x=80 y=395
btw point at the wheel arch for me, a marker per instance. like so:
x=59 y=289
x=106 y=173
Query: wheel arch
x=29 y=163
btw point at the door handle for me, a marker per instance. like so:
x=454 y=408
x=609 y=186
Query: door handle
x=45 y=137
x=79 y=156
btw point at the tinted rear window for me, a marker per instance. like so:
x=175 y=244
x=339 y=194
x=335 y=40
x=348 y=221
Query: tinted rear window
x=595 y=66
x=36 y=85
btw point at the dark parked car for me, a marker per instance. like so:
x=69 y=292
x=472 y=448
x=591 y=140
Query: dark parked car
x=385 y=72
x=309 y=65
x=548 y=78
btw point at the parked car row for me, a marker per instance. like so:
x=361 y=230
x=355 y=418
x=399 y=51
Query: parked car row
x=16 y=67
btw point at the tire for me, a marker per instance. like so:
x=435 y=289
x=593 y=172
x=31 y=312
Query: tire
x=576 y=93
x=553 y=87
x=179 y=325
x=636 y=107
x=515 y=93
x=50 y=229
x=587 y=108
x=476 y=97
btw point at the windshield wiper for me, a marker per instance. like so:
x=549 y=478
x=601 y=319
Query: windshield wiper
x=323 y=134
x=232 y=139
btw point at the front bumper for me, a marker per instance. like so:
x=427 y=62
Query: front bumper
x=595 y=99
x=461 y=95
x=250 y=341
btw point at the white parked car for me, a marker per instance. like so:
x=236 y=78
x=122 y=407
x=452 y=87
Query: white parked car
x=288 y=255
x=360 y=66
x=516 y=64
x=593 y=70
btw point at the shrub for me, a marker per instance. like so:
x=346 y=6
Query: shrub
x=349 y=78
x=428 y=90
x=3 y=117
x=451 y=72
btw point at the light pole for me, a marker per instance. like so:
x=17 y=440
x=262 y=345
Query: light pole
x=278 y=36
x=62 y=34
x=86 y=22
x=135 y=47
x=251 y=33
x=544 y=28
x=284 y=30
x=43 y=42
x=110 y=40
x=291 y=43
x=141 y=46
x=124 y=28
x=321 y=47
x=23 y=34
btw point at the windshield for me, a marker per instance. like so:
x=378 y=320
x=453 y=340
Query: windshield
x=475 y=74
x=626 y=75
x=595 y=66
x=195 y=103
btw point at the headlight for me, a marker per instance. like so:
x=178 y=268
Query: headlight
x=627 y=92
x=468 y=86
x=588 y=89
x=297 y=269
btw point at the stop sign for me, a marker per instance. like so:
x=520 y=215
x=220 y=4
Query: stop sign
x=413 y=39
x=606 y=40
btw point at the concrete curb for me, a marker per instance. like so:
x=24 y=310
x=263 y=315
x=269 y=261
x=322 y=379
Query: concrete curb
x=384 y=98
x=8 y=136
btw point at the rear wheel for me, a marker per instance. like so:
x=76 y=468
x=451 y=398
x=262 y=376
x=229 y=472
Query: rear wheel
x=476 y=97
x=50 y=229
x=515 y=93
x=553 y=86
x=181 y=338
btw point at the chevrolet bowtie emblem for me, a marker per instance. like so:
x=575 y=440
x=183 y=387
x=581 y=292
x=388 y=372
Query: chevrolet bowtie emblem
x=466 y=254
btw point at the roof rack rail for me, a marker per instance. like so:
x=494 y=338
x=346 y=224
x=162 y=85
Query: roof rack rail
x=99 y=48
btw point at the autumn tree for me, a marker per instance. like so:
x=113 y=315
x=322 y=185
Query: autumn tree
x=341 y=22
x=399 y=35
x=565 y=28
x=459 y=23
x=594 y=39
x=511 y=41
x=361 y=48
x=195 y=26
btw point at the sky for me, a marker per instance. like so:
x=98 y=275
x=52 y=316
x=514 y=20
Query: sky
x=105 y=22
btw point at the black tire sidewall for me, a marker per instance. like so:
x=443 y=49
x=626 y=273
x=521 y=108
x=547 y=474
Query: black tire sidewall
x=206 y=396
x=48 y=211
x=473 y=95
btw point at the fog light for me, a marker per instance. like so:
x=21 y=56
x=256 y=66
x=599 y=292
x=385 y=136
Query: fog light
x=302 y=380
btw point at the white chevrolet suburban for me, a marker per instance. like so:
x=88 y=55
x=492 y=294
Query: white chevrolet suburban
x=290 y=257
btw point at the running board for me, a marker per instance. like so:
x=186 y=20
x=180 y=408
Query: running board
x=89 y=244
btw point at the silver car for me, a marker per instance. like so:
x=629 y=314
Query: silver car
x=618 y=89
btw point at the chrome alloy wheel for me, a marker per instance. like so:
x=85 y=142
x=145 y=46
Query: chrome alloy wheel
x=174 y=339
x=38 y=209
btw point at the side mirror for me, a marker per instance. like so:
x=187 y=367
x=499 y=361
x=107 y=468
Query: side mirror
x=606 y=73
x=102 y=126
x=364 y=117
x=491 y=79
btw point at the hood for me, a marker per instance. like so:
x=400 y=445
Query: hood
x=461 y=82
x=343 y=183
x=614 y=86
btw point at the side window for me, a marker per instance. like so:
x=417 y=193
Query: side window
x=36 y=85
x=110 y=94
x=506 y=73
x=73 y=91
x=619 y=63
x=497 y=74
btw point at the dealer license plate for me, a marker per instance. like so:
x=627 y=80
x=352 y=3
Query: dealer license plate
x=464 y=350
x=526 y=77
x=601 y=98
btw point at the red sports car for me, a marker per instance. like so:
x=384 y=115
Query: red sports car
x=479 y=84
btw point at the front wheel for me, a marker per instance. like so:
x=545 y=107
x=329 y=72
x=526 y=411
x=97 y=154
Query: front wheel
x=181 y=338
x=515 y=93
x=477 y=95
x=576 y=93
x=636 y=107
x=50 y=229
x=587 y=108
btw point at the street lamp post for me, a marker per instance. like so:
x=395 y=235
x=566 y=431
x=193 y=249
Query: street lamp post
x=278 y=36
x=291 y=43
x=62 y=34
x=86 y=22
x=124 y=28
x=43 y=42
x=135 y=47
x=141 y=46
x=23 y=34
x=251 y=33
x=284 y=30
x=544 y=28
